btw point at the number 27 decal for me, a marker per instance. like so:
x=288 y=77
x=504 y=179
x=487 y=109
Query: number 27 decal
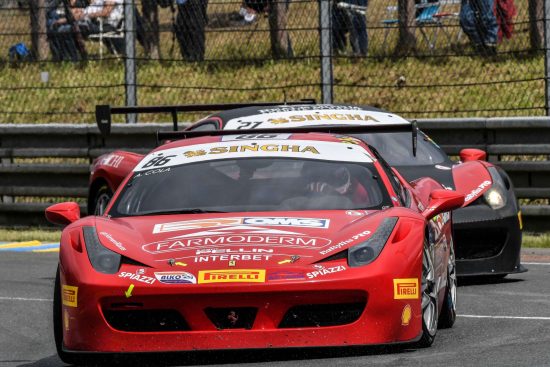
x=249 y=125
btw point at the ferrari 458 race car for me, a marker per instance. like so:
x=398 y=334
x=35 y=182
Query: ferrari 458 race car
x=487 y=232
x=260 y=241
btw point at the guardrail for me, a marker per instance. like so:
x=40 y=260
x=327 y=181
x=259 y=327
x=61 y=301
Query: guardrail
x=25 y=174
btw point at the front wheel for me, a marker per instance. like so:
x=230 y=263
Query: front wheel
x=429 y=297
x=70 y=358
x=448 y=311
x=101 y=200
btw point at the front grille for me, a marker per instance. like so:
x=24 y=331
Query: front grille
x=322 y=315
x=145 y=320
x=232 y=317
x=479 y=243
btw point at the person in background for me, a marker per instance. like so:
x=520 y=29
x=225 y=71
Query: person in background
x=189 y=27
x=349 y=17
x=478 y=20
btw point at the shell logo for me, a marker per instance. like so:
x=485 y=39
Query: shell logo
x=406 y=315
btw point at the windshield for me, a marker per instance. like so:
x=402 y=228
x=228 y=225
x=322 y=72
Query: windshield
x=252 y=184
x=396 y=148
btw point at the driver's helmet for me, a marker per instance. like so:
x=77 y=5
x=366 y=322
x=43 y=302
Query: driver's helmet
x=339 y=178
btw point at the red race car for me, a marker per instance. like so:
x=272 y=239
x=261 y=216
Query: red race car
x=259 y=241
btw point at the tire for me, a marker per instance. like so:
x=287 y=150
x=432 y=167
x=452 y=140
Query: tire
x=429 y=297
x=69 y=358
x=447 y=317
x=101 y=200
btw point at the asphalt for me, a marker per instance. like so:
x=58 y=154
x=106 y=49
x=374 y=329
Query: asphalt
x=501 y=323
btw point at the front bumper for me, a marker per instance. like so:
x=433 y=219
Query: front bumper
x=486 y=242
x=360 y=304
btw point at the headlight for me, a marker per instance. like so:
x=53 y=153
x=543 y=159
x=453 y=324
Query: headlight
x=496 y=196
x=102 y=259
x=366 y=252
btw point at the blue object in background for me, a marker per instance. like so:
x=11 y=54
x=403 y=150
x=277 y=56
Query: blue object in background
x=18 y=52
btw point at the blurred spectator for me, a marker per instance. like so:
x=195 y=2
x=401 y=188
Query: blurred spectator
x=349 y=17
x=60 y=34
x=505 y=11
x=189 y=26
x=478 y=20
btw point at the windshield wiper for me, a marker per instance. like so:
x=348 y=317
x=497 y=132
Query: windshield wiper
x=177 y=211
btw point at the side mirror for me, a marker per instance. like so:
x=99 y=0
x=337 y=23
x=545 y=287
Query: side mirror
x=471 y=154
x=443 y=201
x=63 y=213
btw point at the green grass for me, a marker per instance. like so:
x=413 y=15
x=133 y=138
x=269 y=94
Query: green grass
x=30 y=234
x=541 y=240
x=445 y=82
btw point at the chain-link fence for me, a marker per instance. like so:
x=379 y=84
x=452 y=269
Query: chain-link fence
x=59 y=58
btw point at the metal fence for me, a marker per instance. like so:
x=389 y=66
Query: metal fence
x=47 y=163
x=413 y=59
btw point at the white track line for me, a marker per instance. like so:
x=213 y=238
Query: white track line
x=506 y=317
x=535 y=263
x=25 y=299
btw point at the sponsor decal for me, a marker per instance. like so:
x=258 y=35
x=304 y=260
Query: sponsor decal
x=153 y=172
x=256 y=137
x=309 y=108
x=175 y=277
x=406 y=315
x=350 y=140
x=232 y=276
x=438 y=166
x=234 y=257
x=226 y=222
x=69 y=295
x=140 y=271
x=321 y=270
x=137 y=277
x=285 y=275
x=300 y=116
x=475 y=192
x=405 y=288
x=341 y=244
x=112 y=160
x=318 y=150
x=252 y=147
x=355 y=213
x=179 y=263
x=232 y=263
x=113 y=241
x=253 y=236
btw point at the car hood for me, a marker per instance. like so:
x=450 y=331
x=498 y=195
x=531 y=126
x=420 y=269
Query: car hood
x=243 y=240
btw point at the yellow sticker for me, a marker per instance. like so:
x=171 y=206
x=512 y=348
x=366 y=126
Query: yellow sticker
x=520 y=220
x=66 y=320
x=405 y=288
x=406 y=315
x=232 y=276
x=70 y=295
x=232 y=263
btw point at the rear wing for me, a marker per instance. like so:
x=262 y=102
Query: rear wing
x=103 y=113
x=330 y=129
